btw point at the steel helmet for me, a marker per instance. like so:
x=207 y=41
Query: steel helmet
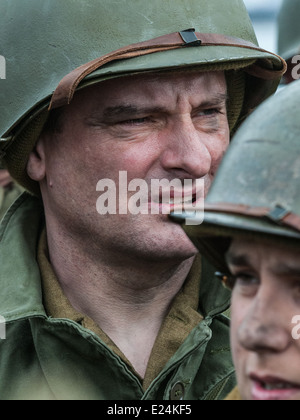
x=289 y=36
x=256 y=192
x=43 y=41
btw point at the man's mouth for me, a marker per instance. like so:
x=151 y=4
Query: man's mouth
x=176 y=204
x=187 y=199
x=279 y=385
x=269 y=388
x=177 y=197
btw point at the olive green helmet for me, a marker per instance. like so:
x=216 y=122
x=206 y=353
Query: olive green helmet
x=256 y=192
x=43 y=42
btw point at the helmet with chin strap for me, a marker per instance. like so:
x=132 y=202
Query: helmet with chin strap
x=53 y=48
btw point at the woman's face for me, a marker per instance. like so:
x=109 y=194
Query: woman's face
x=265 y=333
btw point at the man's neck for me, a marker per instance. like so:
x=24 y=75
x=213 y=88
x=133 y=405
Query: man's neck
x=127 y=297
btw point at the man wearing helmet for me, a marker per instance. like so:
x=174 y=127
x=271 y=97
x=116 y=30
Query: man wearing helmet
x=251 y=233
x=118 y=306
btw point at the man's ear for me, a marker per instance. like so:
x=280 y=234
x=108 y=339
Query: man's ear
x=36 y=166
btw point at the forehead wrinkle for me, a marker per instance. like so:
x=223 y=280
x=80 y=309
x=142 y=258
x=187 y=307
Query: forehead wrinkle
x=201 y=98
x=280 y=262
x=131 y=110
x=238 y=260
x=118 y=110
x=215 y=100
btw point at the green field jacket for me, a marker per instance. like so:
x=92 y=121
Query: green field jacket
x=7 y=197
x=42 y=358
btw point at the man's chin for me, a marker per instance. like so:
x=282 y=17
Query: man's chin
x=148 y=238
x=170 y=241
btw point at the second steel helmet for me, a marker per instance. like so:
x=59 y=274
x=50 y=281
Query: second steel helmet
x=44 y=41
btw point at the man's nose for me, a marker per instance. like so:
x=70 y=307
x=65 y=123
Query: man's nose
x=263 y=330
x=185 y=151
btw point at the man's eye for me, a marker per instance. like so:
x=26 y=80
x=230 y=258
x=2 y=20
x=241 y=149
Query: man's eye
x=246 y=284
x=209 y=112
x=246 y=279
x=137 y=121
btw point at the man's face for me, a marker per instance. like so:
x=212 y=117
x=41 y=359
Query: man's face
x=265 y=319
x=171 y=126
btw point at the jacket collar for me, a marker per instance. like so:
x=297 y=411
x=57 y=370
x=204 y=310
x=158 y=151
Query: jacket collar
x=21 y=295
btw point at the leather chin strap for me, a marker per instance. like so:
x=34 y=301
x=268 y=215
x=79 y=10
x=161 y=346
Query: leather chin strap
x=278 y=215
x=65 y=90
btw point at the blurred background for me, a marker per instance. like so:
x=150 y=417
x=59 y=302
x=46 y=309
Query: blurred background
x=264 y=16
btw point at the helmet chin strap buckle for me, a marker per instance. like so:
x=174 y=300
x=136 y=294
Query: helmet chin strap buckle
x=278 y=214
x=190 y=38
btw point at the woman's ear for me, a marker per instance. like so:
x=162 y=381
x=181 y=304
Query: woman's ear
x=36 y=166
